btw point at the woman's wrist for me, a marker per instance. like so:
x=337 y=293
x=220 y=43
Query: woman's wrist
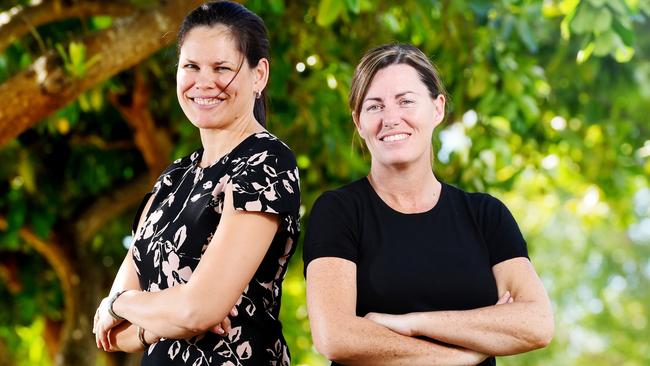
x=111 y=303
x=142 y=338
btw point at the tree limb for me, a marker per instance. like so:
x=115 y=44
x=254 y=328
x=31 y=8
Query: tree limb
x=25 y=19
x=138 y=116
x=60 y=262
x=45 y=87
x=106 y=208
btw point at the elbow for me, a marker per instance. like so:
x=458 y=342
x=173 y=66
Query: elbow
x=542 y=335
x=545 y=334
x=193 y=317
x=328 y=343
x=194 y=320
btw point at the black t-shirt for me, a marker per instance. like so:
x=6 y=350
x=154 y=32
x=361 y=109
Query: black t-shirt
x=436 y=260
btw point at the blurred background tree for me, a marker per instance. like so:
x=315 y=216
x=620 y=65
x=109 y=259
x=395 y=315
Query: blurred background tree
x=548 y=111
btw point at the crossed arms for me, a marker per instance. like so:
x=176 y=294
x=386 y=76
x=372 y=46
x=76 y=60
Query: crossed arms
x=521 y=321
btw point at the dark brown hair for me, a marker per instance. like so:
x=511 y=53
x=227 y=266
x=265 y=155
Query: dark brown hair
x=248 y=31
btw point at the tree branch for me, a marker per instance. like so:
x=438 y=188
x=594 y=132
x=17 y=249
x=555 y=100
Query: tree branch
x=108 y=207
x=24 y=19
x=138 y=116
x=44 y=88
x=60 y=262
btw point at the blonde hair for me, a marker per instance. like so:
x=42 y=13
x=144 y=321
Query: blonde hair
x=391 y=54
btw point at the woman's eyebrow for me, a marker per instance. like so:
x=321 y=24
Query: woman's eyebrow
x=216 y=63
x=376 y=99
x=399 y=95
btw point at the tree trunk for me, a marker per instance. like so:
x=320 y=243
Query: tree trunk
x=46 y=87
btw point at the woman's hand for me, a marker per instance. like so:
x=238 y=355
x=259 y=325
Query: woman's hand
x=102 y=324
x=225 y=326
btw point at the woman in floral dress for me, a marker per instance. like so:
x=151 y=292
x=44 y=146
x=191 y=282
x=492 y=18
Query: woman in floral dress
x=201 y=284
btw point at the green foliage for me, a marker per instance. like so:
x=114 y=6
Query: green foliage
x=547 y=111
x=74 y=60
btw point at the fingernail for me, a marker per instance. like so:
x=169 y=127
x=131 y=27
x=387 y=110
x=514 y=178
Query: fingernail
x=235 y=312
x=220 y=330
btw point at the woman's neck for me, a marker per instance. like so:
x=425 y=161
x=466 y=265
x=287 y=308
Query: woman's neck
x=218 y=142
x=408 y=189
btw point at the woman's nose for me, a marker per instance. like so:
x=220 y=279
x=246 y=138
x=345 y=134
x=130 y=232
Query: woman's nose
x=204 y=81
x=391 y=117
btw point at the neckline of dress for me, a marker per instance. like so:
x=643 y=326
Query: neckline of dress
x=195 y=162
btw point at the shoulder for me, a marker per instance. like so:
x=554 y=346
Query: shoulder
x=266 y=153
x=265 y=142
x=348 y=195
x=479 y=202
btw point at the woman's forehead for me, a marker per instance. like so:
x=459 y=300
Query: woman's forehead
x=216 y=41
x=396 y=78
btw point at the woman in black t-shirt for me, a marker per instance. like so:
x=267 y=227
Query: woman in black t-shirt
x=220 y=225
x=403 y=269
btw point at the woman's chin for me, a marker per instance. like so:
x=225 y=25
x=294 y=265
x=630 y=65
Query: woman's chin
x=205 y=123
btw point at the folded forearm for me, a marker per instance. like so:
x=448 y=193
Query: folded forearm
x=167 y=313
x=497 y=330
x=362 y=342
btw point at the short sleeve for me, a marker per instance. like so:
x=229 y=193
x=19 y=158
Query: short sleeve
x=331 y=230
x=267 y=180
x=501 y=232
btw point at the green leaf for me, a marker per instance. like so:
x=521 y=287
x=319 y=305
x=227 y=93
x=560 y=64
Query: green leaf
x=526 y=35
x=626 y=34
x=329 y=11
x=77 y=53
x=84 y=102
x=606 y=43
x=62 y=53
x=597 y=3
x=277 y=6
x=500 y=124
x=624 y=54
x=354 y=6
x=529 y=106
x=584 y=54
x=618 y=6
x=101 y=22
x=603 y=21
x=512 y=85
x=584 y=19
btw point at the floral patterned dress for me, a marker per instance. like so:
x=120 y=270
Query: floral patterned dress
x=182 y=219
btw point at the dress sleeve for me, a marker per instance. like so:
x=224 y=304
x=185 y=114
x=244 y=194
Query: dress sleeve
x=332 y=229
x=501 y=232
x=267 y=181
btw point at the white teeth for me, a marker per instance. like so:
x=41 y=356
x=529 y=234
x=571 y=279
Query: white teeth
x=399 y=137
x=207 y=101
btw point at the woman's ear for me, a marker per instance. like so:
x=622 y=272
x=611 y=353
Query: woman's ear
x=439 y=109
x=261 y=72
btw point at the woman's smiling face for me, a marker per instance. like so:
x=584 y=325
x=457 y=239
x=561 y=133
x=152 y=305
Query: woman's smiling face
x=214 y=84
x=398 y=115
